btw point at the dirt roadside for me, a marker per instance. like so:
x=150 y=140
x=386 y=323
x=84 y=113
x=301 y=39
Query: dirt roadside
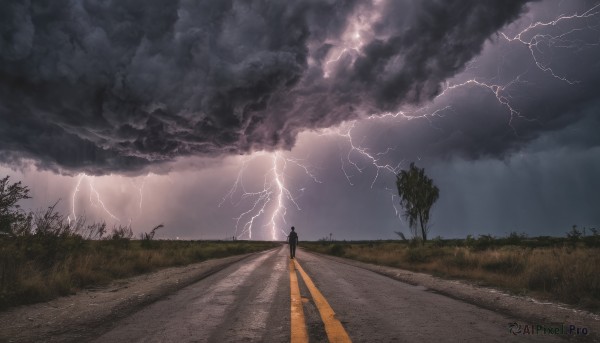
x=90 y=312
x=524 y=310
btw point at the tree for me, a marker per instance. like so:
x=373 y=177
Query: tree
x=10 y=212
x=417 y=195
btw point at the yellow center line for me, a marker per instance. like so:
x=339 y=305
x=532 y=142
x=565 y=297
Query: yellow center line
x=334 y=329
x=298 y=327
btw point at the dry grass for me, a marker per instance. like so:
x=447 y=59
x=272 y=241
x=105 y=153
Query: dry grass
x=44 y=254
x=569 y=273
x=30 y=272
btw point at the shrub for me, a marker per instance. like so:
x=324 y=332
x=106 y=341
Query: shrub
x=438 y=242
x=515 y=238
x=484 y=242
x=508 y=264
x=461 y=259
x=336 y=249
x=147 y=237
x=417 y=255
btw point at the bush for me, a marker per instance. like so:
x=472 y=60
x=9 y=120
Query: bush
x=336 y=249
x=542 y=273
x=417 y=255
x=438 y=242
x=509 y=264
x=484 y=242
x=515 y=238
x=461 y=260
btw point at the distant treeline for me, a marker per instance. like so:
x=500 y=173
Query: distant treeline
x=574 y=237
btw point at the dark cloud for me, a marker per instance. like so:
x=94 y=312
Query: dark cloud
x=538 y=192
x=475 y=122
x=114 y=86
x=424 y=50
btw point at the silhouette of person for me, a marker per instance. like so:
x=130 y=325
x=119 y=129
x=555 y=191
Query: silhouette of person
x=293 y=242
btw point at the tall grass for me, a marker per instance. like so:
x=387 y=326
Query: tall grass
x=45 y=254
x=567 y=273
x=30 y=271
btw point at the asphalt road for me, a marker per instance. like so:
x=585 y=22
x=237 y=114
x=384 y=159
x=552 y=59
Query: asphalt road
x=254 y=301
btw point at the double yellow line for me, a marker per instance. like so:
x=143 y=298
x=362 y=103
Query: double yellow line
x=334 y=329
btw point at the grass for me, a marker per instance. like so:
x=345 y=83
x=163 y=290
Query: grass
x=34 y=269
x=565 y=271
x=44 y=254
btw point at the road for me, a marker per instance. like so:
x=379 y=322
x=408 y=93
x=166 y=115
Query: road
x=265 y=298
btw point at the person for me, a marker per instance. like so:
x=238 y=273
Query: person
x=293 y=242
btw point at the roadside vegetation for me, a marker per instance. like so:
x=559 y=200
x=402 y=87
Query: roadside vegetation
x=564 y=269
x=44 y=255
x=417 y=194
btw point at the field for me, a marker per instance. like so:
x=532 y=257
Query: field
x=35 y=268
x=45 y=254
x=564 y=270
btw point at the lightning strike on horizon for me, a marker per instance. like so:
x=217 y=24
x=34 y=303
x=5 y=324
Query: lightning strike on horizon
x=99 y=200
x=93 y=194
x=75 y=191
x=280 y=208
x=272 y=198
x=141 y=191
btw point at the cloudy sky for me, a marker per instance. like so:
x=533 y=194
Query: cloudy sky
x=243 y=118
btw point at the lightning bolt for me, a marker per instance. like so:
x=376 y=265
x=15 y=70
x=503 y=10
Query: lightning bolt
x=344 y=51
x=94 y=197
x=141 y=191
x=99 y=200
x=345 y=132
x=352 y=40
x=73 y=195
x=272 y=201
x=281 y=192
x=499 y=91
x=559 y=40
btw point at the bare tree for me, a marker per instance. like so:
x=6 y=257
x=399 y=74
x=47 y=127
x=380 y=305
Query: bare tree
x=150 y=235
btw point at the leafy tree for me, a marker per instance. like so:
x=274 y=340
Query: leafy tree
x=11 y=214
x=417 y=195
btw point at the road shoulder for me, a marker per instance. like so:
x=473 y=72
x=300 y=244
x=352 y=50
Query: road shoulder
x=92 y=311
x=524 y=310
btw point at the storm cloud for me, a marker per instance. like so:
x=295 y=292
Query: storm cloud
x=118 y=86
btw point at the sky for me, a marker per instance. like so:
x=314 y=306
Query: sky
x=237 y=118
